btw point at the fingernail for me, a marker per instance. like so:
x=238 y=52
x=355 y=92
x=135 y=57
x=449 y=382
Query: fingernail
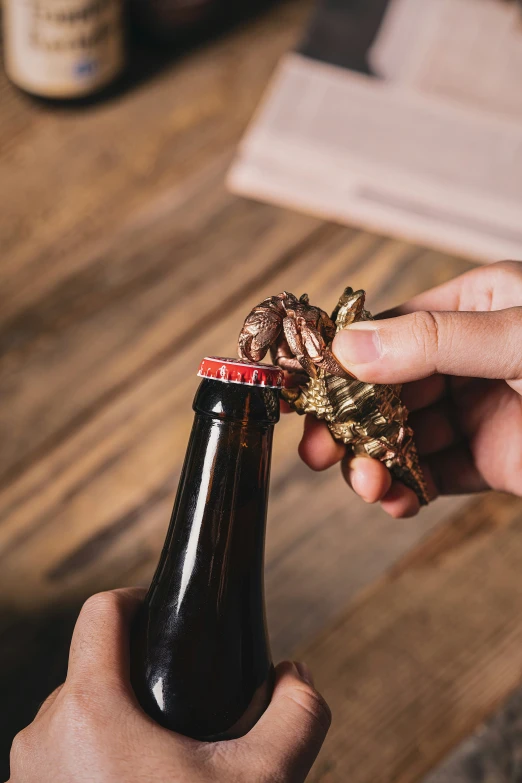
x=304 y=672
x=357 y=345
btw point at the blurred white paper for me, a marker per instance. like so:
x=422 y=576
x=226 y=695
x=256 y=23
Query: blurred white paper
x=469 y=50
x=431 y=153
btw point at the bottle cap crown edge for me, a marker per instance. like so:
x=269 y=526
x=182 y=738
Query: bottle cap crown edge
x=240 y=371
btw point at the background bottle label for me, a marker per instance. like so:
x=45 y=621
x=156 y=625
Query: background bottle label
x=63 y=48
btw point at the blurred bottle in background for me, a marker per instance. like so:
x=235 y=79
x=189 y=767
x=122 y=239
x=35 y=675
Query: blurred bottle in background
x=63 y=49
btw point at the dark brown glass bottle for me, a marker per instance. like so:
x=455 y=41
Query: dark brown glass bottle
x=201 y=661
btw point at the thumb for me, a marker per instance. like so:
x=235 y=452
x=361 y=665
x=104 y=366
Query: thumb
x=292 y=730
x=410 y=347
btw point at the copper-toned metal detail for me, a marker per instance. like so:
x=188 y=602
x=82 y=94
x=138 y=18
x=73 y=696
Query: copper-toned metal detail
x=368 y=417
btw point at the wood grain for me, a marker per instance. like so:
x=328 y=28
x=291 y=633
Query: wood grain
x=91 y=512
x=430 y=650
x=123 y=224
x=124 y=454
x=87 y=173
x=124 y=261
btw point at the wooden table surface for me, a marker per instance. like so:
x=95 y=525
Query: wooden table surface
x=123 y=261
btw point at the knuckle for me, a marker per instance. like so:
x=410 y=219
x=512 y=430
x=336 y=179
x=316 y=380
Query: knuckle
x=506 y=282
x=509 y=267
x=81 y=716
x=311 y=702
x=426 y=333
x=22 y=746
x=510 y=323
x=90 y=702
x=491 y=287
x=230 y=754
x=78 y=702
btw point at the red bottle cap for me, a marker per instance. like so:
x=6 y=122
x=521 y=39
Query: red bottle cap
x=241 y=371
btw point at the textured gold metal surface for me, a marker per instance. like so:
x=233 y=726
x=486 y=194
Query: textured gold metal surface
x=369 y=418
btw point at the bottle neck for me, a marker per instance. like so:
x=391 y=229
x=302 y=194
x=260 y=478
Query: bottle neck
x=232 y=402
x=216 y=535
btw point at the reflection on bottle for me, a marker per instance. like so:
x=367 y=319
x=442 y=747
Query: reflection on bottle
x=157 y=690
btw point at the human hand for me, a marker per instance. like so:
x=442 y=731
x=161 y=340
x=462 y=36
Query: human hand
x=457 y=349
x=92 y=728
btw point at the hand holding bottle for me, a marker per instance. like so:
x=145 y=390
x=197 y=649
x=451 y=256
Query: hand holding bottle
x=457 y=349
x=92 y=727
